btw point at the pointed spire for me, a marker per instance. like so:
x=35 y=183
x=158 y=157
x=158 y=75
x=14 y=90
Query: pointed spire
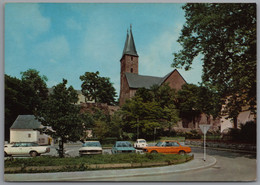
x=130 y=44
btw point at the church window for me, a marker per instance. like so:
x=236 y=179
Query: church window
x=131 y=70
x=131 y=58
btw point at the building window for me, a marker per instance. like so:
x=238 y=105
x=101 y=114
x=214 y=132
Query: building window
x=131 y=58
x=29 y=135
x=131 y=70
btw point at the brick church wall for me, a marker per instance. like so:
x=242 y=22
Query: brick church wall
x=175 y=80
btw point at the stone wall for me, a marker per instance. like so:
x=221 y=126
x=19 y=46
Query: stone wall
x=223 y=144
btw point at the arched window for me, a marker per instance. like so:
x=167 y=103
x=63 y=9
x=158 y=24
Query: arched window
x=131 y=70
x=131 y=58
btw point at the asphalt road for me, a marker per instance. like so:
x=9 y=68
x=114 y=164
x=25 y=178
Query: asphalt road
x=230 y=166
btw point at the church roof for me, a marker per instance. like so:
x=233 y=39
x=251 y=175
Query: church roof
x=26 y=122
x=129 y=48
x=139 y=81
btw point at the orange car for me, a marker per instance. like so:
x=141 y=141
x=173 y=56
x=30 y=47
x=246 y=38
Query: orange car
x=167 y=147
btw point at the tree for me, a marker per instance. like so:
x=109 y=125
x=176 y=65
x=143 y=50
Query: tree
x=188 y=100
x=150 y=109
x=60 y=113
x=98 y=88
x=31 y=79
x=225 y=35
x=17 y=98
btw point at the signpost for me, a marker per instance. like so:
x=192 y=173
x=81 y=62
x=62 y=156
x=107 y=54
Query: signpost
x=204 y=129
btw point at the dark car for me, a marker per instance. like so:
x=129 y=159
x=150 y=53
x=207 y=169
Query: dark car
x=123 y=147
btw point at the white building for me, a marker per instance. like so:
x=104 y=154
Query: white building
x=23 y=130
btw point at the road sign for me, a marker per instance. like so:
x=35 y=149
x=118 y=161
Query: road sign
x=204 y=129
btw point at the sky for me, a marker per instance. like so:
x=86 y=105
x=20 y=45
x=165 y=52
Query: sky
x=65 y=40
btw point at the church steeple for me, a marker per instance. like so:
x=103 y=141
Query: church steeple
x=129 y=48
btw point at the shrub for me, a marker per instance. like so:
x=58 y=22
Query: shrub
x=248 y=132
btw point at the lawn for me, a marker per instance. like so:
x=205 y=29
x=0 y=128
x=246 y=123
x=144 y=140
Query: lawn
x=93 y=159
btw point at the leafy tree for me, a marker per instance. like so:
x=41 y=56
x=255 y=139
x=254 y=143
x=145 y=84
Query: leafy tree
x=150 y=109
x=37 y=83
x=188 y=100
x=17 y=98
x=60 y=113
x=98 y=88
x=225 y=35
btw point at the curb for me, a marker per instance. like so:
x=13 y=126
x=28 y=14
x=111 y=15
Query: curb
x=23 y=169
x=106 y=174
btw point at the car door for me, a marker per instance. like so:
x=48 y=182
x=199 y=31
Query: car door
x=162 y=148
x=168 y=147
x=14 y=149
x=175 y=147
x=23 y=148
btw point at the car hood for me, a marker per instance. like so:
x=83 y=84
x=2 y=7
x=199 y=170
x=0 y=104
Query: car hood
x=91 y=148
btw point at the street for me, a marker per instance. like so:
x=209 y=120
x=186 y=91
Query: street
x=230 y=166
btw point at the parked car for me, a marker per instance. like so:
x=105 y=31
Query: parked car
x=90 y=147
x=25 y=148
x=140 y=143
x=123 y=147
x=167 y=147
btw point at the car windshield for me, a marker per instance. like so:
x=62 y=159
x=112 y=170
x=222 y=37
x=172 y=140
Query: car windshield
x=142 y=141
x=124 y=144
x=90 y=144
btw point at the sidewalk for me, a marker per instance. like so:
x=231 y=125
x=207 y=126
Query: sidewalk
x=196 y=164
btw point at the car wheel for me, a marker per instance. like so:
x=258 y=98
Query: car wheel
x=181 y=152
x=154 y=152
x=33 y=154
x=6 y=155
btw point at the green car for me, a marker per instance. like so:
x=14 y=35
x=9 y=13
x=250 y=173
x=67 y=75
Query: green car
x=123 y=147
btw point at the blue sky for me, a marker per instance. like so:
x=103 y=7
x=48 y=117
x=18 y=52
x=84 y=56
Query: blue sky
x=67 y=40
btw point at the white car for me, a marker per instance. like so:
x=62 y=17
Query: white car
x=25 y=148
x=140 y=143
x=90 y=147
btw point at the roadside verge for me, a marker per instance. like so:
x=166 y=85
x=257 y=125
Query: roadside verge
x=98 y=175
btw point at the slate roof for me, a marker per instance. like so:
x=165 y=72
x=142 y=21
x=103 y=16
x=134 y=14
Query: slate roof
x=139 y=81
x=26 y=122
x=129 y=48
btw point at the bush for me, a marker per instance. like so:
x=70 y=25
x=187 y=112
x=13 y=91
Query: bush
x=248 y=132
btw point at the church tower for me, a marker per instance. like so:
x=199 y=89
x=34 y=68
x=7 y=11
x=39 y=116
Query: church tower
x=129 y=64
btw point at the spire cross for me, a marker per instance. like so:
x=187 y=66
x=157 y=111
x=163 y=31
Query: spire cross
x=131 y=27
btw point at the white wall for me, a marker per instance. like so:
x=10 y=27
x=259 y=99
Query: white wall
x=22 y=135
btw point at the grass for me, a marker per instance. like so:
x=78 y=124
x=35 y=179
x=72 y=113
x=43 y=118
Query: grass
x=93 y=159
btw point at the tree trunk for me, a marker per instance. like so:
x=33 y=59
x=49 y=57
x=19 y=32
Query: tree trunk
x=61 y=148
x=235 y=122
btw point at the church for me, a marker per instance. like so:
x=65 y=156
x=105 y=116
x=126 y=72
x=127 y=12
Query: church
x=131 y=80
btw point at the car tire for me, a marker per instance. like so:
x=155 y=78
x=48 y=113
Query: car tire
x=33 y=154
x=6 y=155
x=154 y=152
x=182 y=152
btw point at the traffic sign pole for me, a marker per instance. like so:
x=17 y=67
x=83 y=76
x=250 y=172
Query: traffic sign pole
x=204 y=129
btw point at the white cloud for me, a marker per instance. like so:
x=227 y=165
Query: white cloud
x=55 y=49
x=25 y=20
x=73 y=24
x=157 y=58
